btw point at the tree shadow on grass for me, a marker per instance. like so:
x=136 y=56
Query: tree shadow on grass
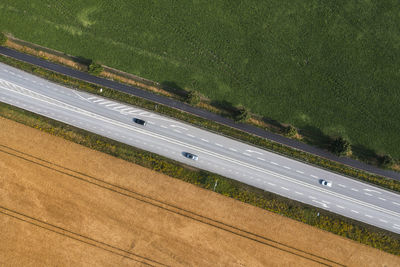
x=82 y=60
x=366 y=154
x=315 y=137
x=224 y=105
x=173 y=88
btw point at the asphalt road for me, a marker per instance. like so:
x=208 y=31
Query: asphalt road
x=167 y=137
x=196 y=111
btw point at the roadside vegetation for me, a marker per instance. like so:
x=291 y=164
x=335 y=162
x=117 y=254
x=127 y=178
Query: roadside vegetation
x=206 y=124
x=365 y=234
x=327 y=68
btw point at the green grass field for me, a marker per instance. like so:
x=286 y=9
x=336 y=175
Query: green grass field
x=329 y=67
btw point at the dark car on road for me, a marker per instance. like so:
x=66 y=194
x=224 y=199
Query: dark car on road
x=190 y=156
x=139 y=121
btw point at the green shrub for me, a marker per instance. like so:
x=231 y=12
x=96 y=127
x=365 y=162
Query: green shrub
x=341 y=146
x=290 y=131
x=242 y=114
x=193 y=97
x=386 y=161
x=3 y=38
x=95 y=68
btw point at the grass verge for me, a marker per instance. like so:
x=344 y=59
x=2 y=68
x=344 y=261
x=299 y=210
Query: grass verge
x=360 y=232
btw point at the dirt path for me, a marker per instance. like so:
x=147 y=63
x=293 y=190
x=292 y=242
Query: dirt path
x=63 y=204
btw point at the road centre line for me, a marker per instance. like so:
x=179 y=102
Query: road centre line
x=286 y=167
x=232 y=149
x=382 y=220
x=163 y=126
x=261 y=159
x=66 y=106
x=274 y=163
x=299 y=171
x=353 y=189
x=202 y=139
x=369 y=216
x=219 y=145
x=247 y=154
x=284 y=188
x=312 y=197
x=382 y=199
x=354 y=211
x=341 y=207
x=396 y=203
x=299 y=193
x=191 y=135
x=368 y=194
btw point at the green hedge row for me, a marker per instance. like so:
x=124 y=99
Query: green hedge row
x=363 y=233
x=209 y=125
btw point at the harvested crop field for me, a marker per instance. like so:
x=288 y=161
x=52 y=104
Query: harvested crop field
x=64 y=204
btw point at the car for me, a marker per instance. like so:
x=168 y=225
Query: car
x=325 y=183
x=139 y=121
x=190 y=156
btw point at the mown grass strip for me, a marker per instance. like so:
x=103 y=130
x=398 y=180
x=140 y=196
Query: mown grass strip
x=206 y=124
x=360 y=232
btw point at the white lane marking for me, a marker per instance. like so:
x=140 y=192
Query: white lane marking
x=312 y=197
x=177 y=126
x=368 y=194
x=93 y=97
x=274 y=163
x=299 y=171
x=247 y=154
x=369 y=216
x=219 y=145
x=110 y=105
x=58 y=103
x=327 y=202
x=252 y=151
x=204 y=140
x=175 y=130
x=354 y=211
x=105 y=102
x=272 y=184
x=299 y=193
x=232 y=149
x=353 y=189
x=382 y=199
x=286 y=167
x=150 y=122
x=371 y=190
x=396 y=203
x=119 y=107
x=163 y=126
x=98 y=100
x=81 y=97
x=323 y=204
x=340 y=207
x=190 y=135
x=261 y=159
x=382 y=220
x=284 y=188
x=396 y=227
x=341 y=185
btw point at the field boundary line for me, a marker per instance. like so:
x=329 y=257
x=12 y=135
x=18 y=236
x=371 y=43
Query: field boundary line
x=167 y=206
x=78 y=237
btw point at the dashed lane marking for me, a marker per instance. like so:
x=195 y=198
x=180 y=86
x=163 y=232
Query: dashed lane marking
x=284 y=188
x=354 y=211
x=299 y=171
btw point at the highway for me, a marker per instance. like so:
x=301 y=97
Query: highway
x=218 y=154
